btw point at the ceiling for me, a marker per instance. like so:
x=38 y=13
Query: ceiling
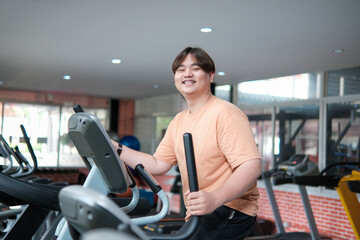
x=41 y=41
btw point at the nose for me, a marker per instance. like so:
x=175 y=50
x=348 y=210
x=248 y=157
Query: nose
x=188 y=73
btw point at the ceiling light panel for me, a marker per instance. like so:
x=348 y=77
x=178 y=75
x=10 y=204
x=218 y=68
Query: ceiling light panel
x=206 y=29
x=116 y=61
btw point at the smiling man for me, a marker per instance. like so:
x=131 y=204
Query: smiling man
x=227 y=159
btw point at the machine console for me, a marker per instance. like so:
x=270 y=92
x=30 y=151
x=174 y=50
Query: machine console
x=95 y=147
x=300 y=165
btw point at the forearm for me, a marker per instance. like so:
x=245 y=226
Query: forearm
x=132 y=158
x=239 y=182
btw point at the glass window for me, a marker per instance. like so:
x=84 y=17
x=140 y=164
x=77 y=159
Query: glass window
x=296 y=132
x=295 y=87
x=261 y=124
x=47 y=130
x=42 y=126
x=343 y=132
x=224 y=92
x=344 y=82
x=102 y=115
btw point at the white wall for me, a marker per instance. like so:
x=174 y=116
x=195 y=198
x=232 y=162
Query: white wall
x=146 y=110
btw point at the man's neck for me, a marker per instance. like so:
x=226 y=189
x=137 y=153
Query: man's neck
x=194 y=104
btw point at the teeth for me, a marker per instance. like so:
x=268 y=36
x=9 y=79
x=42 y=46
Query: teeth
x=188 y=81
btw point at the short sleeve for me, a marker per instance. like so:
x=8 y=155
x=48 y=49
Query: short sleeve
x=166 y=150
x=236 y=139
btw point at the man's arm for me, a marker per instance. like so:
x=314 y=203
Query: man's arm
x=132 y=158
x=202 y=202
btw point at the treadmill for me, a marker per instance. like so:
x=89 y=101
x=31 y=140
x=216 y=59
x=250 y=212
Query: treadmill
x=300 y=165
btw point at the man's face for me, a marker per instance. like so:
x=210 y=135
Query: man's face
x=191 y=79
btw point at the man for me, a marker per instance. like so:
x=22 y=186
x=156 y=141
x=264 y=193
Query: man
x=227 y=159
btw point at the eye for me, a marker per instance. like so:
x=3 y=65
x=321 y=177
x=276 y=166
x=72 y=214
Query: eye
x=180 y=69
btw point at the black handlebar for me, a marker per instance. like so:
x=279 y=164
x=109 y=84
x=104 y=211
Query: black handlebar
x=148 y=179
x=29 y=146
x=77 y=108
x=192 y=225
x=190 y=163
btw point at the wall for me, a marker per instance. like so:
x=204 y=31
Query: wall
x=126 y=118
x=54 y=98
x=330 y=216
x=146 y=110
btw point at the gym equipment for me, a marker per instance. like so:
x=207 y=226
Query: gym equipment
x=84 y=209
x=31 y=168
x=108 y=174
x=39 y=202
x=8 y=153
x=4 y=153
x=89 y=137
x=343 y=184
x=40 y=215
x=108 y=234
x=25 y=168
x=300 y=165
x=347 y=188
x=326 y=178
x=281 y=234
x=19 y=222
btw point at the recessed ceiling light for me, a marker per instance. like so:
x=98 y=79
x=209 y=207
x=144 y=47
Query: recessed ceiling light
x=67 y=77
x=338 y=50
x=116 y=61
x=221 y=73
x=156 y=86
x=206 y=29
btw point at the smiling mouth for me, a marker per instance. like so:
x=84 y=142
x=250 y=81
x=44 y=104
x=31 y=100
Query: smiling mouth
x=188 y=82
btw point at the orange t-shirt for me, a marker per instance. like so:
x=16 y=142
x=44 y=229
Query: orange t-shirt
x=222 y=139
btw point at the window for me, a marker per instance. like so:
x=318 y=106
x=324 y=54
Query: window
x=343 y=132
x=344 y=82
x=295 y=112
x=46 y=126
x=298 y=131
x=295 y=130
x=261 y=124
x=296 y=87
x=42 y=126
x=101 y=114
x=224 y=92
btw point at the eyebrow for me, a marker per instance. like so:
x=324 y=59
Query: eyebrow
x=194 y=64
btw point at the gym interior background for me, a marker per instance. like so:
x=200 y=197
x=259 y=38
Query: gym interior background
x=316 y=114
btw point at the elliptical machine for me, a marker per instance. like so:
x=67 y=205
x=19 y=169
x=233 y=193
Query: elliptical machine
x=96 y=210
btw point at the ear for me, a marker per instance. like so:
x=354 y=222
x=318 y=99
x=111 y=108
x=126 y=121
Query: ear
x=212 y=76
